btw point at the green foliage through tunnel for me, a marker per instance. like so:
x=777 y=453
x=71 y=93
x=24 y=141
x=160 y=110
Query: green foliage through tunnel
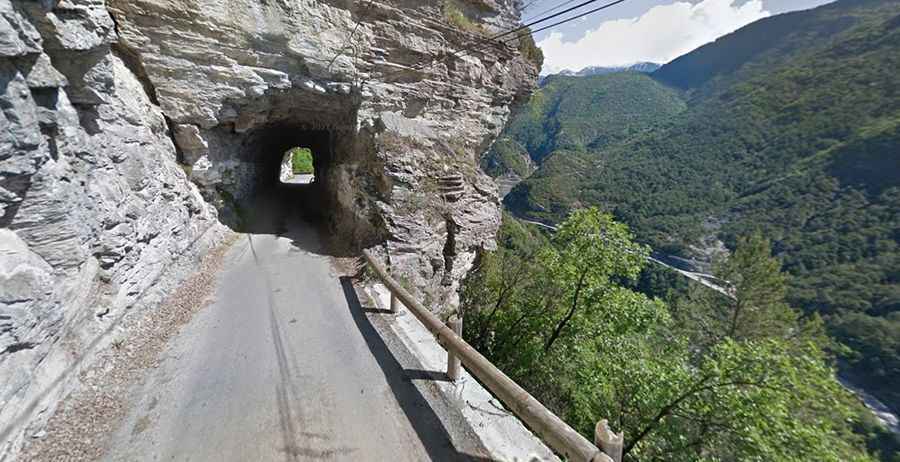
x=302 y=161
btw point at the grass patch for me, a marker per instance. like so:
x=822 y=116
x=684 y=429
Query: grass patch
x=187 y=169
x=455 y=16
x=233 y=206
x=302 y=161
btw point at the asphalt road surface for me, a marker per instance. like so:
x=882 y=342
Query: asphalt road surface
x=300 y=179
x=286 y=365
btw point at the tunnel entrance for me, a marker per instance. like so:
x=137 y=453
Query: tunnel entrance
x=296 y=132
x=290 y=165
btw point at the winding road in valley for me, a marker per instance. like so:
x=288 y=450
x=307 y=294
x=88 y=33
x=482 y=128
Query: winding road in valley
x=707 y=280
x=285 y=365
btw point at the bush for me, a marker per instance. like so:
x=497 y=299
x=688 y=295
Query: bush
x=455 y=16
x=302 y=161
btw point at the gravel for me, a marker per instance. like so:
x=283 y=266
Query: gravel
x=79 y=428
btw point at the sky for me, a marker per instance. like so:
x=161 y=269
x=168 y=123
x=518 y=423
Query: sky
x=646 y=30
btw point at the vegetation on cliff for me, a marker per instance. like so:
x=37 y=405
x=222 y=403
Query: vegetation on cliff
x=302 y=161
x=529 y=49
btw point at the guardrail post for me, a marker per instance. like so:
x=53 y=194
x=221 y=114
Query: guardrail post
x=608 y=442
x=546 y=425
x=393 y=303
x=453 y=362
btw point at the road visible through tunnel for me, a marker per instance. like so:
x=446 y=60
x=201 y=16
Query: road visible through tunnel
x=285 y=365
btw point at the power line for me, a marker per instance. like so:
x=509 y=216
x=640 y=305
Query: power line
x=523 y=27
x=558 y=23
x=491 y=40
x=552 y=16
x=581 y=15
x=347 y=42
x=548 y=10
x=532 y=2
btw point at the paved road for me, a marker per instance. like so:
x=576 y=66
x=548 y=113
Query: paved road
x=300 y=179
x=285 y=365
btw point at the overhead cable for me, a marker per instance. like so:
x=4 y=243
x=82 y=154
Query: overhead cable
x=549 y=10
x=491 y=41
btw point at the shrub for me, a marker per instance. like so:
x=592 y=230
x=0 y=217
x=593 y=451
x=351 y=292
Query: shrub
x=455 y=16
x=302 y=161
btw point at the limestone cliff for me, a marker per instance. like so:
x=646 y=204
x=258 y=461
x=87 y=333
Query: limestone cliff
x=405 y=118
x=130 y=127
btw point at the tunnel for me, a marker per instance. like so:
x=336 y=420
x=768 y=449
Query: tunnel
x=271 y=200
x=246 y=155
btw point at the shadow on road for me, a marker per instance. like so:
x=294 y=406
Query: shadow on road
x=280 y=211
x=422 y=374
x=428 y=426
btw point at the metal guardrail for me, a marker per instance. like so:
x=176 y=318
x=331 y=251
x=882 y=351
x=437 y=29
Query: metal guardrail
x=550 y=429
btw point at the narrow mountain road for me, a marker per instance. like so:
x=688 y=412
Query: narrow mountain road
x=285 y=365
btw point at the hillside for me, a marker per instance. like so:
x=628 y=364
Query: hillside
x=791 y=127
x=561 y=117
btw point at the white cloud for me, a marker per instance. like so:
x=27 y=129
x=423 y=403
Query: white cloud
x=663 y=33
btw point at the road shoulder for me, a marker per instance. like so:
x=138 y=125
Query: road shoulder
x=83 y=423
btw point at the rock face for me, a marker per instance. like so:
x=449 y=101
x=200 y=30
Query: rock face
x=375 y=84
x=93 y=206
x=286 y=170
x=127 y=123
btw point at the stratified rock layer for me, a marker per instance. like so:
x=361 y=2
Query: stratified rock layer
x=126 y=123
x=93 y=206
x=405 y=111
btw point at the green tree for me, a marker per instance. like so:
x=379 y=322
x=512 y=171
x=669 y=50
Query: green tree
x=302 y=161
x=755 y=307
x=723 y=379
x=790 y=126
x=745 y=379
x=537 y=305
x=588 y=251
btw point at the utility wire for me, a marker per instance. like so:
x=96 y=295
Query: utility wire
x=581 y=15
x=491 y=41
x=532 y=2
x=526 y=33
x=552 y=16
x=548 y=10
x=349 y=38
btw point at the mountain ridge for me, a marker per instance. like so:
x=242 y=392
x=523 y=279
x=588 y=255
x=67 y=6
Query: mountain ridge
x=645 y=67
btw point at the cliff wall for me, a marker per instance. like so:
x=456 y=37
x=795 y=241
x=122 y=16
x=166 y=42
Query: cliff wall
x=132 y=129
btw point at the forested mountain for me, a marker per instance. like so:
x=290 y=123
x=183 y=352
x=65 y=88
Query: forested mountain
x=789 y=126
x=561 y=117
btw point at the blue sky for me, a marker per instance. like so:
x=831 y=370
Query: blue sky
x=647 y=30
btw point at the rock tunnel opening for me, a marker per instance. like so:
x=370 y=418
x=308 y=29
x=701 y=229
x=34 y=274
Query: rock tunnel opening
x=267 y=148
x=246 y=155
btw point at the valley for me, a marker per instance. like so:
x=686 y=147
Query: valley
x=788 y=127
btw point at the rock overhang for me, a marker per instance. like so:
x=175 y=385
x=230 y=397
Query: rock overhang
x=110 y=89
